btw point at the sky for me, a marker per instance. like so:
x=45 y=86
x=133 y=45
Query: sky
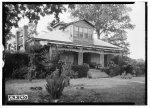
x=135 y=37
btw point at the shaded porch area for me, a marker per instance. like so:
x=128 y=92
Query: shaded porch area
x=78 y=58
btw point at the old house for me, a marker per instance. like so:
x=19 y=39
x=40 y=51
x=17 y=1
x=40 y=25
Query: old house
x=77 y=41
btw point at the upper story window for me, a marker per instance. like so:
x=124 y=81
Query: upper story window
x=90 y=33
x=85 y=31
x=80 y=32
x=76 y=31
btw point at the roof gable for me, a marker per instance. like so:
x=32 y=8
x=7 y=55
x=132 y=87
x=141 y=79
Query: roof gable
x=71 y=23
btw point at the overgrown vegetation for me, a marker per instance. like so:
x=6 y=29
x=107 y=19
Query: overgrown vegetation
x=82 y=70
x=58 y=79
x=15 y=64
x=127 y=65
x=55 y=85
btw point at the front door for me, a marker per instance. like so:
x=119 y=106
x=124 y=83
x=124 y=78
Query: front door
x=105 y=60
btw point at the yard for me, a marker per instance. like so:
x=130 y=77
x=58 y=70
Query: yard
x=84 y=90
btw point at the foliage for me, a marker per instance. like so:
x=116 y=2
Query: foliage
x=139 y=68
x=55 y=87
x=13 y=13
x=20 y=73
x=116 y=67
x=132 y=66
x=14 y=61
x=92 y=65
x=56 y=83
x=40 y=59
x=125 y=64
x=95 y=66
x=82 y=70
x=67 y=70
x=110 y=21
x=113 y=70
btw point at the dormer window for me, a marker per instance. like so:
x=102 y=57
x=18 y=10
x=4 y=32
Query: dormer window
x=90 y=33
x=80 y=32
x=76 y=31
x=85 y=31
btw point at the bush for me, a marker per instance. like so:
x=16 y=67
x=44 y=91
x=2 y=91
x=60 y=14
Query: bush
x=20 y=73
x=14 y=61
x=95 y=66
x=130 y=66
x=139 y=69
x=92 y=65
x=82 y=70
x=113 y=70
x=55 y=85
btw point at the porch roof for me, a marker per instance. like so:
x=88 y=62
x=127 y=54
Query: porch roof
x=62 y=37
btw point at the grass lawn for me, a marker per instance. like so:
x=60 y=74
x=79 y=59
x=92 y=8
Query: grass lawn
x=84 y=90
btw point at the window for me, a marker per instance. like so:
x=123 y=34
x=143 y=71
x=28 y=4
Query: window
x=80 y=32
x=85 y=31
x=90 y=33
x=76 y=31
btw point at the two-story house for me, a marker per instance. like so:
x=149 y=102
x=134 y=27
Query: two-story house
x=78 y=42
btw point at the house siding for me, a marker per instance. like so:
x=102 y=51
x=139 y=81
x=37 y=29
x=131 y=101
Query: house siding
x=82 y=41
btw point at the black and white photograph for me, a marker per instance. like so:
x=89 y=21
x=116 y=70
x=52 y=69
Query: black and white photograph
x=74 y=53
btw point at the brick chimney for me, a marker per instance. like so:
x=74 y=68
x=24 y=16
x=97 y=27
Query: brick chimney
x=25 y=35
x=17 y=35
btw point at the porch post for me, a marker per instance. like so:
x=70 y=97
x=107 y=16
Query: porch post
x=120 y=57
x=80 y=58
x=50 y=52
x=25 y=36
x=102 y=59
x=17 y=35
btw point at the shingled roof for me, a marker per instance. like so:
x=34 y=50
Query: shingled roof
x=59 y=36
x=64 y=37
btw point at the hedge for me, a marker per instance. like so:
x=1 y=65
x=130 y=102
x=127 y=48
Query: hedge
x=14 y=61
x=82 y=70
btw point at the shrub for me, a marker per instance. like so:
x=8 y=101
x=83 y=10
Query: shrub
x=20 y=73
x=95 y=66
x=82 y=70
x=92 y=65
x=128 y=68
x=55 y=85
x=139 y=69
x=14 y=61
x=113 y=70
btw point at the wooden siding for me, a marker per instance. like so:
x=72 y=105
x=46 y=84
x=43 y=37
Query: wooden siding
x=82 y=41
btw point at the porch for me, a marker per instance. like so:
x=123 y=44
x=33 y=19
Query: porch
x=78 y=58
x=85 y=54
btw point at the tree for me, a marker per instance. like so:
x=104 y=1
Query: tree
x=14 y=12
x=119 y=39
x=110 y=21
